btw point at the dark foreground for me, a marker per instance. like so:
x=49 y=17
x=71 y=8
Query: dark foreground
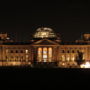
x=26 y=77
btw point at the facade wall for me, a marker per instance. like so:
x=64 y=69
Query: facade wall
x=25 y=54
x=15 y=54
x=70 y=52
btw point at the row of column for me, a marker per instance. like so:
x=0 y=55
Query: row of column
x=44 y=54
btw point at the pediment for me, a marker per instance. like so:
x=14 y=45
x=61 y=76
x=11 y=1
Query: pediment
x=45 y=42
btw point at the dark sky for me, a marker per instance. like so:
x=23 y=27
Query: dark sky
x=69 y=18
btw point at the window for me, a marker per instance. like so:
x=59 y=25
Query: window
x=16 y=57
x=21 y=58
x=68 y=57
x=27 y=57
x=11 y=51
x=16 y=51
x=21 y=51
x=73 y=51
x=7 y=50
x=63 y=58
x=6 y=58
x=68 y=51
x=26 y=51
x=63 y=51
x=73 y=58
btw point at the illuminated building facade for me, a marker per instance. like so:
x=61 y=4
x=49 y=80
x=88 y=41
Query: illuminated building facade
x=45 y=47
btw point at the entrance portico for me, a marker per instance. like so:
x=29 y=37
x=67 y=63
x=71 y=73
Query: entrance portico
x=45 y=51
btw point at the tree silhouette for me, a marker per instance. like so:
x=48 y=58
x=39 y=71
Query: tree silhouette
x=79 y=58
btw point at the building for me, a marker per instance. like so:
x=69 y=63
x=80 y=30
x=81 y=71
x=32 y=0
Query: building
x=45 y=47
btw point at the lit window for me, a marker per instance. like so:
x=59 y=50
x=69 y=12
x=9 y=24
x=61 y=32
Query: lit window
x=26 y=51
x=44 y=56
x=27 y=57
x=73 y=58
x=63 y=58
x=7 y=50
x=68 y=57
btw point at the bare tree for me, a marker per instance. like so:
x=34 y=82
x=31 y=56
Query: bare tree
x=79 y=58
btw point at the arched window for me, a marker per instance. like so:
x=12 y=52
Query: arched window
x=68 y=51
x=63 y=51
x=73 y=51
x=16 y=51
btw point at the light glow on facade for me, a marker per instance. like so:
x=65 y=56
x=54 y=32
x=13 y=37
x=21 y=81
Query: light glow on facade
x=44 y=54
x=85 y=65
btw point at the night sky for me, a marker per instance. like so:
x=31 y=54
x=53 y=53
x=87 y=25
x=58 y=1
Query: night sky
x=69 y=18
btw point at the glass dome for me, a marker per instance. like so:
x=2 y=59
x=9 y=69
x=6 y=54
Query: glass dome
x=44 y=33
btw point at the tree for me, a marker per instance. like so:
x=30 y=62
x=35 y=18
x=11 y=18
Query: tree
x=79 y=58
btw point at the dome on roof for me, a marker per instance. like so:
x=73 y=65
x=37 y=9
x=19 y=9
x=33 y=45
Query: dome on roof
x=44 y=32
